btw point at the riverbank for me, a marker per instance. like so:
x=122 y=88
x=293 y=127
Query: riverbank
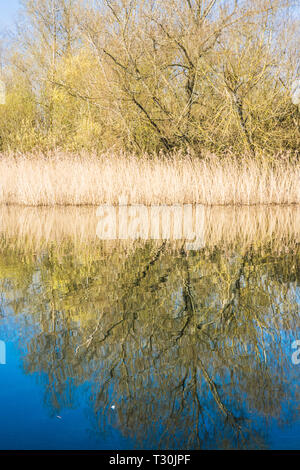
x=65 y=179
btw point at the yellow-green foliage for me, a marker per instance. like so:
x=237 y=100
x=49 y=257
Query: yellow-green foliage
x=134 y=76
x=18 y=119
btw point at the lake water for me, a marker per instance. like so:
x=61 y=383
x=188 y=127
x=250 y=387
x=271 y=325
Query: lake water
x=181 y=342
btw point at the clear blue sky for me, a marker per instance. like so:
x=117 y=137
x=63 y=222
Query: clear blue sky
x=8 y=9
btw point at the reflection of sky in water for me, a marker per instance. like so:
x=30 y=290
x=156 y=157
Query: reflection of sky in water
x=27 y=423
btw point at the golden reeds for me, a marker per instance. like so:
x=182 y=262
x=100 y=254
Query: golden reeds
x=64 y=179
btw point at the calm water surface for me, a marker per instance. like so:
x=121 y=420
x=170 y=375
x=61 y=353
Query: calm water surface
x=149 y=344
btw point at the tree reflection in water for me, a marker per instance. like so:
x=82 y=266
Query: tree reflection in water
x=191 y=347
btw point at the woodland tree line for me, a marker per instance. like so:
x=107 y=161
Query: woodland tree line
x=152 y=75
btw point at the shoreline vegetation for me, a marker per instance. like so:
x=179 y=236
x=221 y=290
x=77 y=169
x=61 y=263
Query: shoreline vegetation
x=165 y=102
x=64 y=179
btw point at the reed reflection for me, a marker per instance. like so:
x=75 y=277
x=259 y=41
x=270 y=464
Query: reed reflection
x=191 y=347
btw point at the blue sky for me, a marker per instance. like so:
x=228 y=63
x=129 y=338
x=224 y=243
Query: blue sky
x=8 y=9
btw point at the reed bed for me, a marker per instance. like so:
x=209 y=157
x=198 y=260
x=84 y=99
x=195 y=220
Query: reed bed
x=63 y=179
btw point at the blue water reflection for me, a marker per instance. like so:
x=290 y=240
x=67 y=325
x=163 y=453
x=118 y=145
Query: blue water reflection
x=149 y=346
